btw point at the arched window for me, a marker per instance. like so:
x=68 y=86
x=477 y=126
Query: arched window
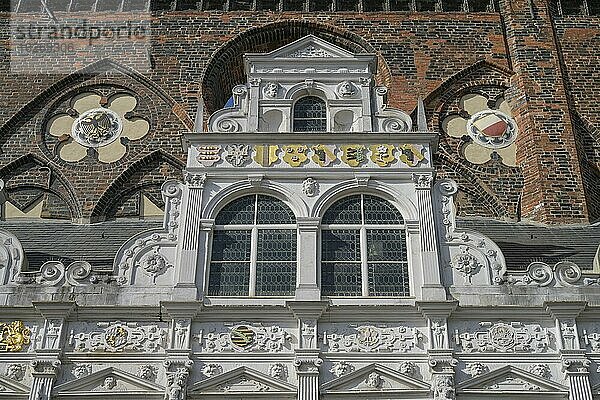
x=363 y=249
x=310 y=115
x=253 y=249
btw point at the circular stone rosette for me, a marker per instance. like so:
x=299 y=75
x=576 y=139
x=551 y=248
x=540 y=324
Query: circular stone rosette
x=97 y=127
x=492 y=129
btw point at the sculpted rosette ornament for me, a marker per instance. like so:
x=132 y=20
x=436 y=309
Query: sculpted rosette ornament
x=94 y=123
x=491 y=129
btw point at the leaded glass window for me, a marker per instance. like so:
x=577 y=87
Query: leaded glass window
x=363 y=249
x=253 y=249
x=310 y=115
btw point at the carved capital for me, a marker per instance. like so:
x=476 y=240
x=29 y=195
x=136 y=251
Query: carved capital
x=195 y=181
x=442 y=362
x=307 y=362
x=45 y=367
x=575 y=364
x=422 y=181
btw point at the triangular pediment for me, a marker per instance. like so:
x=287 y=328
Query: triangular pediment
x=310 y=47
x=510 y=379
x=242 y=380
x=374 y=378
x=109 y=381
x=12 y=388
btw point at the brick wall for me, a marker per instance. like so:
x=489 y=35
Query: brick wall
x=196 y=52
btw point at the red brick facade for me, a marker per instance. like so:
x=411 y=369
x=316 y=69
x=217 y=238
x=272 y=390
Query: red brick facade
x=546 y=65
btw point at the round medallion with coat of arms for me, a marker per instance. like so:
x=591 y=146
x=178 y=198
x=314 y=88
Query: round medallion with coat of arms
x=492 y=129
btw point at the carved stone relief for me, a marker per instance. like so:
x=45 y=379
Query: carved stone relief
x=119 y=337
x=278 y=371
x=81 y=370
x=16 y=372
x=147 y=372
x=245 y=337
x=341 y=368
x=368 y=338
x=504 y=338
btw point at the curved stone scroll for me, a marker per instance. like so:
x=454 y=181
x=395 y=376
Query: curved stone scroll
x=12 y=257
x=232 y=119
x=468 y=254
x=149 y=255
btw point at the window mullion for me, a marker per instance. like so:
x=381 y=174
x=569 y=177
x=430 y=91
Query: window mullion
x=364 y=267
x=253 y=255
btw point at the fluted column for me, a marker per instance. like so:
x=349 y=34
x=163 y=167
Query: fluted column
x=432 y=288
x=185 y=275
x=307 y=364
x=576 y=368
x=45 y=370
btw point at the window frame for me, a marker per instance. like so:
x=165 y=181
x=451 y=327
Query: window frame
x=293 y=114
x=254 y=229
x=363 y=229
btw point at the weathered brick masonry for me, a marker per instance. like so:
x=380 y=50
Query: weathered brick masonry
x=547 y=69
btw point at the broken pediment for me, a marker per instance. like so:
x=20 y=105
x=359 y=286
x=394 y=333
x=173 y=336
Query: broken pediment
x=242 y=380
x=110 y=382
x=12 y=389
x=375 y=378
x=510 y=380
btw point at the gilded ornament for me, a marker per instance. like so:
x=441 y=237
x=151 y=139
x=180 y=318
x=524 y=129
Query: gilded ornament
x=265 y=155
x=354 y=154
x=411 y=154
x=208 y=155
x=382 y=154
x=242 y=336
x=295 y=154
x=14 y=336
x=324 y=154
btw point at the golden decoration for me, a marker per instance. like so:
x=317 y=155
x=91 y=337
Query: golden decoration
x=266 y=155
x=295 y=154
x=382 y=154
x=411 y=154
x=354 y=154
x=208 y=155
x=324 y=154
x=242 y=336
x=13 y=336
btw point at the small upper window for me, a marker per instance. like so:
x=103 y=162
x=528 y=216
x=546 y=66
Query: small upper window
x=310 y=115
x=254 y=249
x=363 y=249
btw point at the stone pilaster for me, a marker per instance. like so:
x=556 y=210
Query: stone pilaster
x=185 y=276
x=45 y=369
x=307 y=365
x=436 y=314
x=432 y=287
x=177 y=370
x=442 y=365
x=55 y=315
x=576 y=368
x=307 y=287
x=181 y=315
x=565 y=315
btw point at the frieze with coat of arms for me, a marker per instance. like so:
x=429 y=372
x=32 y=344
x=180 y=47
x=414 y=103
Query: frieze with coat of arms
x=369 y=338
x=119 y=337
x=382 y=155
x=245 y=337
x=501 y=337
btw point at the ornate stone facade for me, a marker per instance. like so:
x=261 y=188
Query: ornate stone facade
x=146 y=325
